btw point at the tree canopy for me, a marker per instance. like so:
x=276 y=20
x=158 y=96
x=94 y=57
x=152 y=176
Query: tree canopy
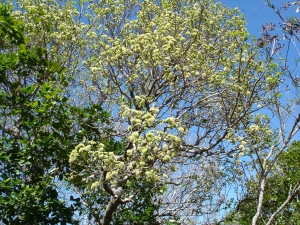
x=142 y=112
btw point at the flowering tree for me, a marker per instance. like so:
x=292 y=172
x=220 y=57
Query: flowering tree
x=182 y=82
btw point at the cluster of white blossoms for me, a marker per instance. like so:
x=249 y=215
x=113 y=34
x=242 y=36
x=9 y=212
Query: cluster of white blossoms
x=96 y=154
x=151 y=141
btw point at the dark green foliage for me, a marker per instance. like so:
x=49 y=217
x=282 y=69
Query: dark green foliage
x=38 y=129
x=11 y=30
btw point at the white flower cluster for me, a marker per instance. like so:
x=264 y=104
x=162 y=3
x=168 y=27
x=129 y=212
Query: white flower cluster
x=151 y=144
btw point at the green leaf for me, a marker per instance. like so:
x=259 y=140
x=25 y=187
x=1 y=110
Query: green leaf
x=22 y=48
x=35 y=104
